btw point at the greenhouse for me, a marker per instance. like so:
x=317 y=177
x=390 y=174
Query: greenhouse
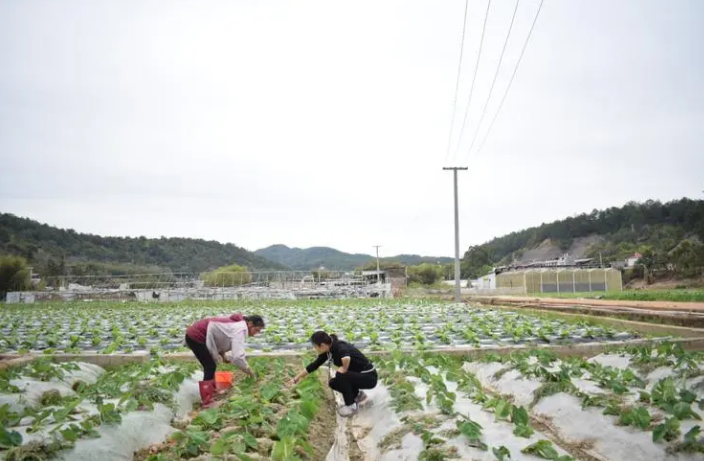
x=556 y=280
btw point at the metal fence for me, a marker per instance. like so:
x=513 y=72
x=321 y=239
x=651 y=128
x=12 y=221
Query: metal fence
x=163 y=280
x=171 y=287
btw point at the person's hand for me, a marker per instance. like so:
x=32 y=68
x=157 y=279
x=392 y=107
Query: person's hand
x=292 y=382
x=341 y=370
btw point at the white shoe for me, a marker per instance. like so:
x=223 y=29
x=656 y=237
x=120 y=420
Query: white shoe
x=348 y=410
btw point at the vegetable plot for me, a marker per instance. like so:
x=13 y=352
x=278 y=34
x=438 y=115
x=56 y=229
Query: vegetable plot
x=644 y=403
x=430 y=408
x=78 y=412
x=262 y=420
x=113 y=327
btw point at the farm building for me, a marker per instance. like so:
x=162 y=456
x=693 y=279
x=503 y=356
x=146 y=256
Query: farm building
x=556 y=280
x=396 y=276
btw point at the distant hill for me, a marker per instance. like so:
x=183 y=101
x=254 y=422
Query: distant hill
x=614 y=234
x=52 y=249
x=330 y=258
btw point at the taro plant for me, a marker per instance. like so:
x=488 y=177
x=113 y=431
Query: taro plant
x=544 y=449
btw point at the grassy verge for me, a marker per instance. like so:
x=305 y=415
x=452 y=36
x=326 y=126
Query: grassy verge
x=634 y=295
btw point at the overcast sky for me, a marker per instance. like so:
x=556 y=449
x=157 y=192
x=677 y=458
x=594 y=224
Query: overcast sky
x=315 y=123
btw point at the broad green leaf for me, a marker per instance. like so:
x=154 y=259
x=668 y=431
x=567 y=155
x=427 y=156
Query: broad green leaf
x=219 y=447
x=519 y=416
x=692 y=434
x=69 y=434
x=688 y=396
x=523 y=431
x=309 y=408
x=250 y=441
x=501 y=453
x=543 y=449
x=683 y=410
x=659 y=433
x=502 y=409
x=9 y=439
x=269 y=391
x=131 y=405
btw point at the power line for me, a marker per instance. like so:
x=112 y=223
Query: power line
x=474 y=78
x=508 y=87
x=496 y=74
x=457 y=83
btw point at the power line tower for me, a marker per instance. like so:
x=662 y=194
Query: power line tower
x=378 y=272
x=454 y=169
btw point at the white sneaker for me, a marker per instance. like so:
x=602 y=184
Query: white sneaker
x=348 y=410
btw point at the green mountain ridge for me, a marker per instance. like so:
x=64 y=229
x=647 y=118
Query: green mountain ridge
x=54 y=251
x=669 y=235
x=330 y=258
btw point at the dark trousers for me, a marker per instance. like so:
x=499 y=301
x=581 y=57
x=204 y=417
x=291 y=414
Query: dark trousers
x=348 y=384
x=202 y=353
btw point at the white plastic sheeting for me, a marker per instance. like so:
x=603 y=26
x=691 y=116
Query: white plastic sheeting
x=563 y=413
x=377 y=419
x=494 y=433
x=137 y=430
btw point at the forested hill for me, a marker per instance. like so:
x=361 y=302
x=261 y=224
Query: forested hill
x=51 y=250
x=330 y=258
x=618 y=232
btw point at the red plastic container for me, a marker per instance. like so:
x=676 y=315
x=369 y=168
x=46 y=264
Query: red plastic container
x=224 y=380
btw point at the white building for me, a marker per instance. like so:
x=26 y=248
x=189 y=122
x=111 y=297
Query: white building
x=487 y=282
x=632 y=260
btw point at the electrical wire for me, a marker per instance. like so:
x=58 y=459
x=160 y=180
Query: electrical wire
x=474 y=78
x=508 y=87
x=496 y=75
x=457 y=83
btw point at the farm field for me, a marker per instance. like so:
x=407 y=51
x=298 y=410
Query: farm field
x=77 y=411
x=105 y=328
x=641 y=402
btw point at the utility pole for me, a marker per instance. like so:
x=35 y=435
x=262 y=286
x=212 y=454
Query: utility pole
x=378 y=272
x=458 y=297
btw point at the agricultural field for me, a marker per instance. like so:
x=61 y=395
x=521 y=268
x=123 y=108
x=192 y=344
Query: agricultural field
x=105 y=328
x=636 y=402
x=639 y=403
x=150 y=411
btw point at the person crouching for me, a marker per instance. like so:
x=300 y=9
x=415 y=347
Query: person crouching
x=355 y=371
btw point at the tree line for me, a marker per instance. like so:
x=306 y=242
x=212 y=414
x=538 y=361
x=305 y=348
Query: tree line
x=671 y=232
x=53 y=252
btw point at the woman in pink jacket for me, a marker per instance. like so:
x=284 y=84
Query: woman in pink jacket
x=211 y=337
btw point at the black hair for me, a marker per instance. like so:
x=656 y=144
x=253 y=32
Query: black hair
x=257 y=320
x=321 y=337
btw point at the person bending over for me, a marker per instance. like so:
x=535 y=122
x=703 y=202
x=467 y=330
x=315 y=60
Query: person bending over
x=221 y=334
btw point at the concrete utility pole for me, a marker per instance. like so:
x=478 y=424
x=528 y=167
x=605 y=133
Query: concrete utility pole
x=378 y=272
x=458 y=297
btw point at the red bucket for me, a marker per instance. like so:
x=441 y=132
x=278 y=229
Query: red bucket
x=224 y=380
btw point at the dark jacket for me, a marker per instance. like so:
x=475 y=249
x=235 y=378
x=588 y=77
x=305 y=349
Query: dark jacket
x=339 y=349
